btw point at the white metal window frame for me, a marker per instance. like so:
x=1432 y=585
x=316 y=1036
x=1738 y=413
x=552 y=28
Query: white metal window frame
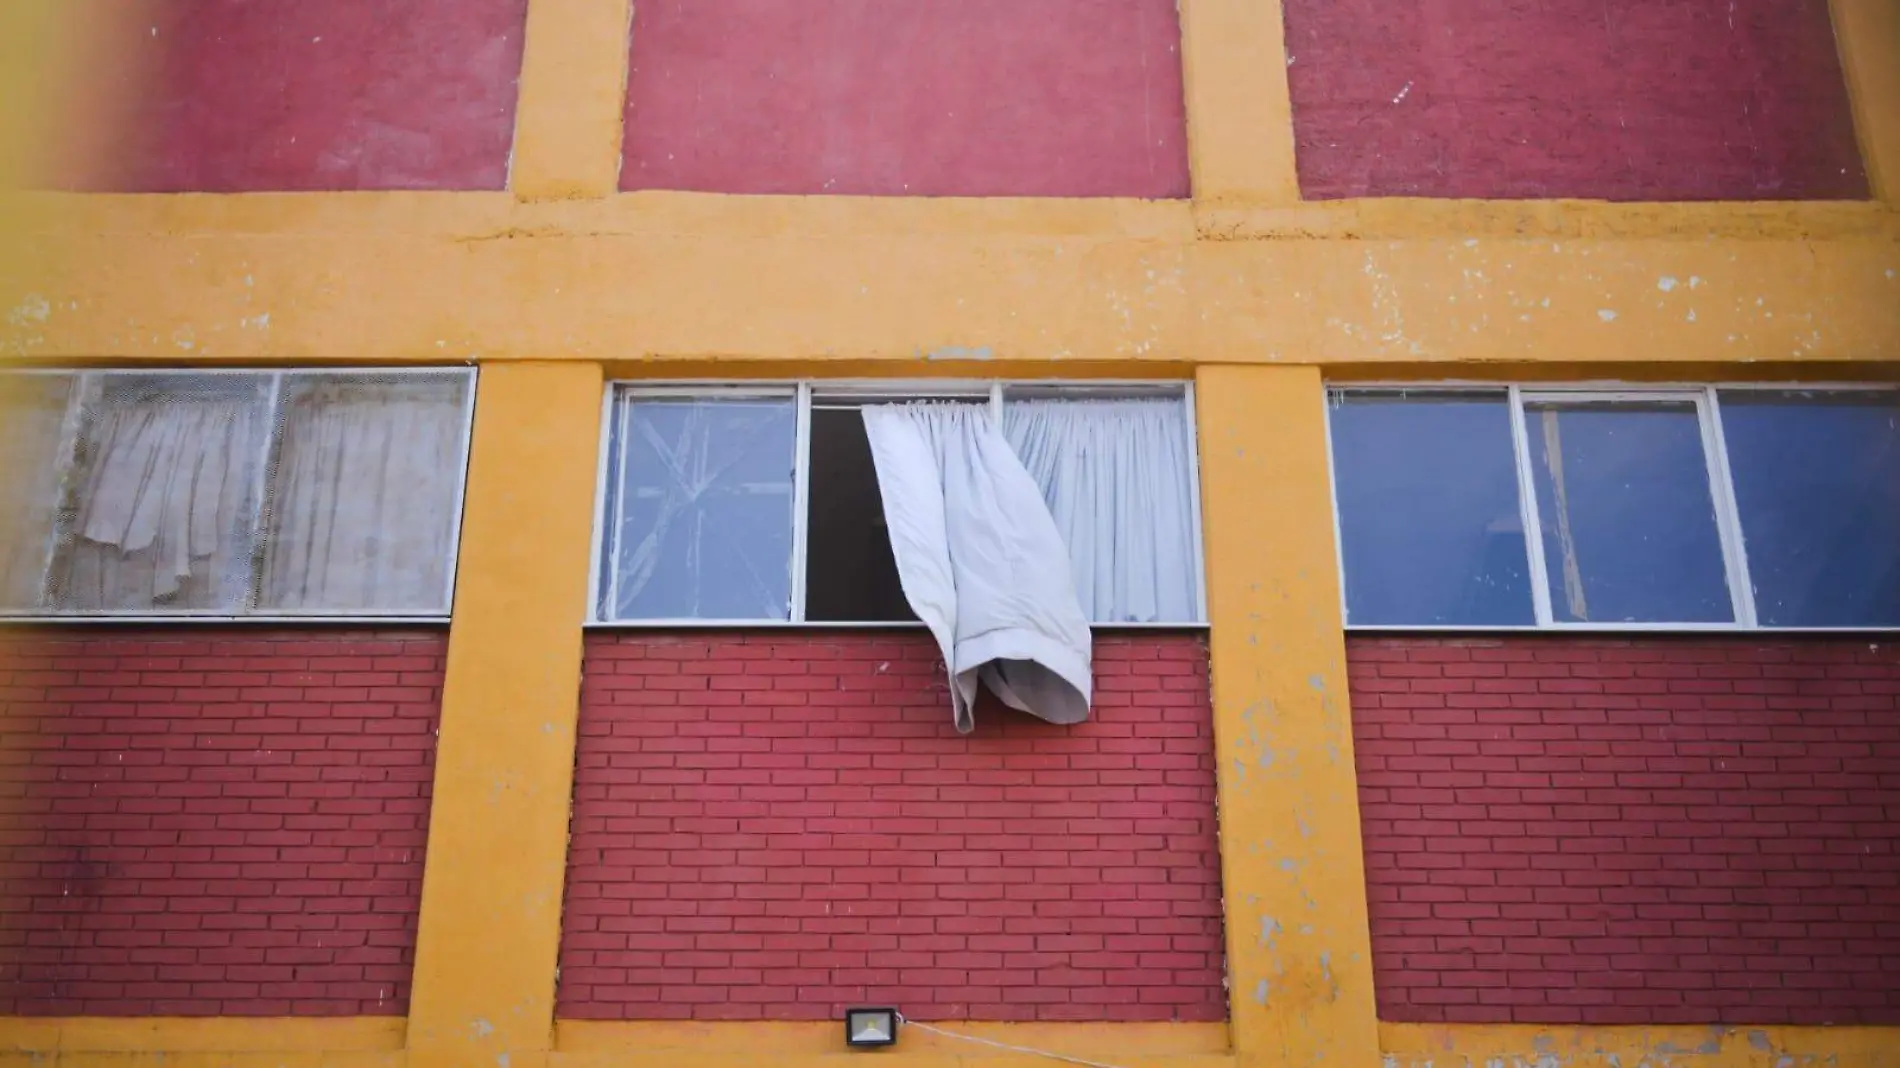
x=857 y=390
x=1708 y=409
x=69 y=443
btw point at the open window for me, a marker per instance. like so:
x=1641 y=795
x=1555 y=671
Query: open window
x=762 y=504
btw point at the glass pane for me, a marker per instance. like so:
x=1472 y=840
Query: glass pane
x=161 y=503
x=32 y=415
x=1629 y=530
x=1428 y=512
x=1817 y=482
x=363 y=494
x=705 y=510
x=1118 y=479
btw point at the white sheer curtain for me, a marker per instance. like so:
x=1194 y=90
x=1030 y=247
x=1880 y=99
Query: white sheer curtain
x=363 y=498
x=32 y=411
x=165 y=502
x=1117 y=477
x=981 y=561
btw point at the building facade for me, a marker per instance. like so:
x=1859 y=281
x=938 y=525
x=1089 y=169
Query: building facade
x=451 y=620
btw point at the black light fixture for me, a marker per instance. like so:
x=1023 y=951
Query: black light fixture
x=870 y=1028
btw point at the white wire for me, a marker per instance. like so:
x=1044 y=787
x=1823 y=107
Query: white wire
x=1031 y=1050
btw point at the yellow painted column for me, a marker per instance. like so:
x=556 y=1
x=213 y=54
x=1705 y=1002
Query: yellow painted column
x=491 y=890
x=1298 y=950
x=1240 y=115
x=1868 y=33
x=569 y=115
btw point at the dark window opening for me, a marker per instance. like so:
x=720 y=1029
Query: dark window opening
x=850 y=574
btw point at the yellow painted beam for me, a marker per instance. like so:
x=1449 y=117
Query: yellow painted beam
x=1299 y=959
x=1240 y=115
x=712 y=1040
x=102 y=1034
x=1868 y=34
x=492 y=885
x=1646 y=1046
x=694 y=278
x=570 y=111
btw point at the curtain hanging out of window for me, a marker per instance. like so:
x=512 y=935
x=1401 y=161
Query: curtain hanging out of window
x=981 y=560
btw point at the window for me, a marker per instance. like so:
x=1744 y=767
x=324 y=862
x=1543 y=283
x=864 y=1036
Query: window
x=1677 y=507
x=230 y=494
x=762 y=504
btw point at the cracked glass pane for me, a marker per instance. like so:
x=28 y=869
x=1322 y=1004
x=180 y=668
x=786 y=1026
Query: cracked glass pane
x=703 y=508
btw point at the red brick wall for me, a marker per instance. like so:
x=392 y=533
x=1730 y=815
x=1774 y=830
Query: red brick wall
x=779 y=825
x=198 y=823
x=242 y=95
x=919 y=98
x=1650 y=831
x=1622 y=100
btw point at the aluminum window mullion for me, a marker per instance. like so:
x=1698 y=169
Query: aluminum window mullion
x=1728 y=520
x=1528 y=512
x=801 y=498
x=1333 y=398
x=598 y=536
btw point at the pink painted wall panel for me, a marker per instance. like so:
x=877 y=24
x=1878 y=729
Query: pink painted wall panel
x=919 y=98
x=249 y=95
x=1609 y=99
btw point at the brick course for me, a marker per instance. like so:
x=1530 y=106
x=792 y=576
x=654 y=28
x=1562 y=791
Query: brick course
x=1618 y=100
x=1654 y=831
x=773 y=826
x=202 y=823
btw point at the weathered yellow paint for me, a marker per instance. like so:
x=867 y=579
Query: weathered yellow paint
x=569 y=115
x=94 y=1034
x=491 y=889
x=1868 y=33
x=1532 y=1046
x=664 y=276
x=1088 y=1040
x=1240 y=113
x=1299 y=959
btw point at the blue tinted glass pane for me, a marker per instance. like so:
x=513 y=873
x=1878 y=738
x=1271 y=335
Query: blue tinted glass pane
x=705 y=507
x=1428 y=511
x=1817 y=482
x=1629 y=530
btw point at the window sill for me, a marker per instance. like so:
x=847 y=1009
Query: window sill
x=821 y=625
x=209 y=619
x=1661 y=630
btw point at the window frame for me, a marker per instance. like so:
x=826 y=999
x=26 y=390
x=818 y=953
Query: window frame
x=274 y=394
x=993 y=392
x=1721 y=482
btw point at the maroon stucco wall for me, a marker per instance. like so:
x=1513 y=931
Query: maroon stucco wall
x=1659 y=830
x=213 y=823
x=248 y=95
x=919 y=98
x=777 y=826
x=1623 y=100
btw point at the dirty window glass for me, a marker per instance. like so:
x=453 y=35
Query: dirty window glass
x=1428 y=510
x=702 y=509
x=1628 y=521
x=1817 y=486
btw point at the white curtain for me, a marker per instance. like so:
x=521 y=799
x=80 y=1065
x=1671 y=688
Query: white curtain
x=164 y=504
x=981 y=561
x=363 y=499
x=1117 y=477
x=32 y=411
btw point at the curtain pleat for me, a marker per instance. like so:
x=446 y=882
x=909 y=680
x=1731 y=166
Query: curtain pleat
x=1117 y=477
x=32 y=411
x=362 y=505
